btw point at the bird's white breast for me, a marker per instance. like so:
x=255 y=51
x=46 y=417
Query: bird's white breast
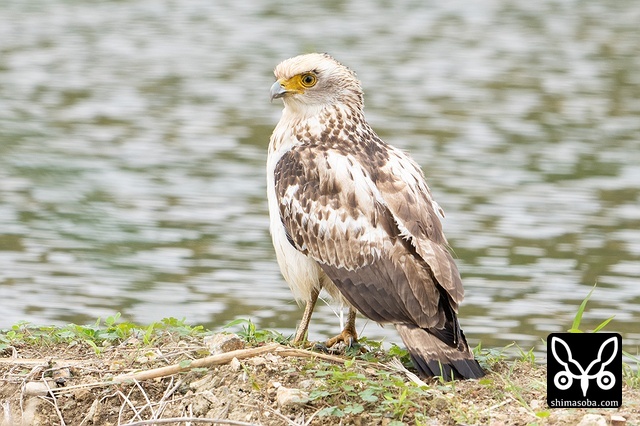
x=299 y=271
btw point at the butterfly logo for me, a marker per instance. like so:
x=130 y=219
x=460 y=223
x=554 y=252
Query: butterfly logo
x=564 y=379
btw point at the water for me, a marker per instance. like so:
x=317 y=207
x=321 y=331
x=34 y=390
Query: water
x=133 y=142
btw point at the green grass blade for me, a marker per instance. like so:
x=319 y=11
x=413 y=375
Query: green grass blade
x=603 y=324
x=575 y=327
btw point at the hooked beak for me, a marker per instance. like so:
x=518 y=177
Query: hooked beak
x=277 y=91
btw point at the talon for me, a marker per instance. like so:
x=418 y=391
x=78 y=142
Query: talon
x=349 y=341
x=321 y=347
x=349 y=337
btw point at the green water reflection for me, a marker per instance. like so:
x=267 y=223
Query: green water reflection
x=133 y=144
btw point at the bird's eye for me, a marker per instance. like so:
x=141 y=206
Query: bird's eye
x=308 y=80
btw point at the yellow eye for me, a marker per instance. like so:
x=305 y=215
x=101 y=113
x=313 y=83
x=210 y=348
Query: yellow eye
x=308 y=80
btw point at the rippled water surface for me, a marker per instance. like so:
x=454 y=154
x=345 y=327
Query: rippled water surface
x=133 y=142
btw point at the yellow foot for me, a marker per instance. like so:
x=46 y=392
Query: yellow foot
x=348 y=336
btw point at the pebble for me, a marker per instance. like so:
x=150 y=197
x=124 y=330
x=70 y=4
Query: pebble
x=235 y=364
x=593 y=420
x=272 y=358
x=223 y=342
x=289 y=397
x=617 y=420
x=38 y=388
x=256 y=361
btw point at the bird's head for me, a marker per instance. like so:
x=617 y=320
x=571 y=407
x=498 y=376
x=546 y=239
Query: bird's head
x=315 y=81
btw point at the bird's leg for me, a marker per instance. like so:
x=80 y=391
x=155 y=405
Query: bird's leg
x=303 y=328
x=348 y=335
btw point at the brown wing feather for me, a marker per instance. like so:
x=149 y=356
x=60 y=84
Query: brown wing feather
x=409 y=200
x=334 y=212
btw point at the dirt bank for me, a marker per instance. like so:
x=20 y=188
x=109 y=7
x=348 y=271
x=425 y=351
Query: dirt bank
x=173 y=375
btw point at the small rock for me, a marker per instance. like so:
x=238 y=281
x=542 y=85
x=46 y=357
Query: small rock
x=617 y=420
x=272 y=358
x=593 y=420
x=440 y=403
x=38 y=388
x=223 y=342
x=288 y=396
x=235 y=364
x=257 y=360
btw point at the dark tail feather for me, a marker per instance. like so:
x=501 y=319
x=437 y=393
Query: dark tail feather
x=432 y=357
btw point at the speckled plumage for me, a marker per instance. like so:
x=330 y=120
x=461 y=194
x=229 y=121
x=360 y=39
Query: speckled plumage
x=354 y=215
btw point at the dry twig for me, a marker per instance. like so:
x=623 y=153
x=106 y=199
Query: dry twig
x=190 y=419
x=39 y=361
x=126 y=401
x=209 y=361
x=54 y=403
x=164 y=401
x=303 y=353
x=146 y=397
x=196 y=363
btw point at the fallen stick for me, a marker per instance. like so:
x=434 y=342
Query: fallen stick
x=209 y=361
x=196 y=363
x=303 y=353
x=43 y=361
x=189 y=420
x=224 y=358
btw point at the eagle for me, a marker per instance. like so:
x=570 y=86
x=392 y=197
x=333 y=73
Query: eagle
x=353 y=215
